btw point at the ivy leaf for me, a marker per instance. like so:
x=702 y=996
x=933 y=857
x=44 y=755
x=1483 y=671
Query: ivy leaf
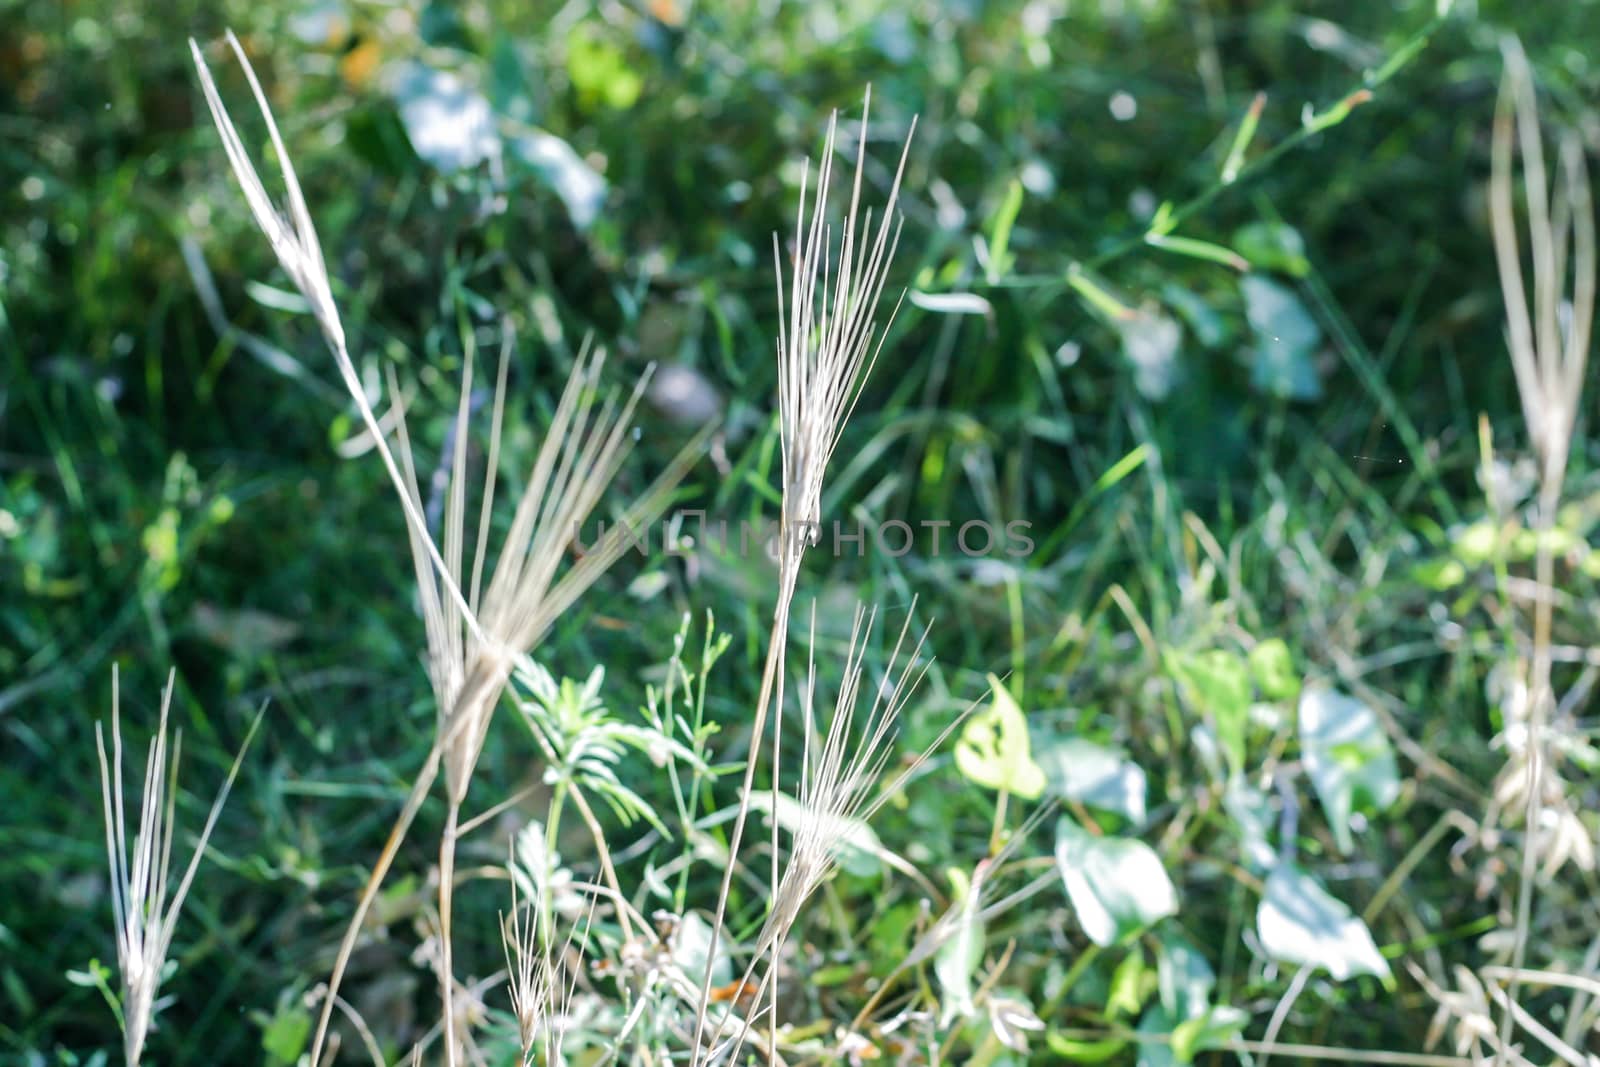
x=1185 y=1013
x=1213 y=1028
x=1249 y=810
x=1286 y=340
x=1299 y=922
x=1095 y=775
x=1150 y=341
x=994 y=750
x=1116 y=884
x=448 y=122
x=554 y=162
x=1184 y=976
x=1218 y=683
x=1156 y=1025
x=1348 y=757
x=692 y=945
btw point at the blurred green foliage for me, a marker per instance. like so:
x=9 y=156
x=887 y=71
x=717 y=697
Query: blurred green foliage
x=178 y=484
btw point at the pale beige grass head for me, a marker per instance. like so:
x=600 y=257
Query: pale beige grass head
x=144 y=905
x=827 y=337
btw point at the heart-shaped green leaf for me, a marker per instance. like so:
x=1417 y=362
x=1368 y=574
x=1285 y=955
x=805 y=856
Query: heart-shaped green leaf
x=1116 y=884
x=1348 y=757
x=1095 y=775
x=1299 y=922
x=1217 y=683
x=994 y=750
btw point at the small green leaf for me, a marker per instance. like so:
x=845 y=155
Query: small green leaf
x=1150 y=341
x=1214 y=1028
x=1477 y=543
x=1439 y=574
x=599 y=70
x=1074 y=1051
x=828 y=977
x=448 y=122
x=1272 y=666
x=1286 y=340
x=994 y=750
x=1095 y=775
x=958 y=958
x=1128 y=987
x=1117 y=885
x=1218 y=684
x=1299 y=922
x=1348 y=757
x=1184 y=977
x=1273 y=246
x=555 y=163
x=284 y=1036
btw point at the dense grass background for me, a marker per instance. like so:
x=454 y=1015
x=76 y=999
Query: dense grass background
x=172 y=497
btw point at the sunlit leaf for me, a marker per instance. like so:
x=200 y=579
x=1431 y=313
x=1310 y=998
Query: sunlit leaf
x=1273 y=246
x=1348 y=756
x=1213 y=1028
x=564 y=171
x=958 y=958
x=1095 y=775
x=1217 y=682
x=1287 y=337
x=1075 y=1051
x=1129 y=990
x=1117 y=885
x=1439 y=574
x=1184 y=977
x=1150 y=340
x=448 y=122
x=600 y=71
x=994 y=749
x=1272 y=666
x=284 y=1035
x=1299 y=922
